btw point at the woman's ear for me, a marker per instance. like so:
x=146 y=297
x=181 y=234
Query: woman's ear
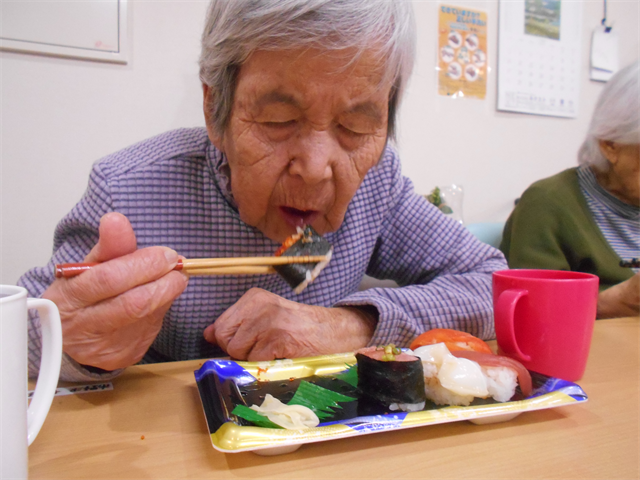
x=610 y=150
x=207 y=102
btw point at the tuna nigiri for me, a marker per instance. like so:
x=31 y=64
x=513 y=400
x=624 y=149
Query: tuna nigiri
x=453 y=339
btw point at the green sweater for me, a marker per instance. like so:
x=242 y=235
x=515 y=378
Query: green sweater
x=552 y=228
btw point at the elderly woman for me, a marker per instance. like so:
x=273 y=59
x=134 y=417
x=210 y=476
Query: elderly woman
x=587 y=219
x=300 y=102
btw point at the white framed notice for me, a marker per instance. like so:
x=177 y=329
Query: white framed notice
x=89 y=29
x=539 y=44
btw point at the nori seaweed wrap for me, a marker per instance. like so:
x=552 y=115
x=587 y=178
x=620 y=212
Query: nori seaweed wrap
x=392 y=384
x=306 y=242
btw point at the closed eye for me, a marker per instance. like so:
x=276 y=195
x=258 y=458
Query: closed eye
x=288 y=123
x=352 y=132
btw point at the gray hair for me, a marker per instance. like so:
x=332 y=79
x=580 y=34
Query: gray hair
x=616 y=117
x=234 y=29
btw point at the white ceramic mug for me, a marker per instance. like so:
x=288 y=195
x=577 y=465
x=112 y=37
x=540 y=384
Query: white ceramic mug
x=20 y=425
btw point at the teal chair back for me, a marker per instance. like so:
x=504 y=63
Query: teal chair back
x=488 y=232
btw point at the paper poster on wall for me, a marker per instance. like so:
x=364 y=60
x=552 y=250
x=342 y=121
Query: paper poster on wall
x=539 y=43
x=462 y=52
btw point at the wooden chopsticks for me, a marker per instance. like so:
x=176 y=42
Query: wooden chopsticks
x=239 y=270
x=209 y=266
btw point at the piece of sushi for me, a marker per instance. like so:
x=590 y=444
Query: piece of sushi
x=305 y=242
x=460 y=376
x=390 y=379
x=497 y=368
x=453 y=339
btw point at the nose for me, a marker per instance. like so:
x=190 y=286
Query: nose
x=313 y=156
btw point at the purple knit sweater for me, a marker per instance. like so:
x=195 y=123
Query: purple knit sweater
x=175 y=191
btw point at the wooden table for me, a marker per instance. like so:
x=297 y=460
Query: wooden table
x=151 y=425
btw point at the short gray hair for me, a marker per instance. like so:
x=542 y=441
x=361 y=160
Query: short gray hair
x=616 y=117
x=234 y=29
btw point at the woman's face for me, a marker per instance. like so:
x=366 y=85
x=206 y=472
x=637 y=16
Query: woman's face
x=624 y=170
x=305 y=128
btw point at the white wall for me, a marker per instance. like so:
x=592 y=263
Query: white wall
x=495 y=155
x=60 y=115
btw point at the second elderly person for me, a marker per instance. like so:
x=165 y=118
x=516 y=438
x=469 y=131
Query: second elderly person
x=587 y=218
x=300 y=101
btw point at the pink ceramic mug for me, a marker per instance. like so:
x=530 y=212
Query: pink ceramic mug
x=544 y=319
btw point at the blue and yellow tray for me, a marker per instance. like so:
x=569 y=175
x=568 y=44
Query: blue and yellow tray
x=223 y=384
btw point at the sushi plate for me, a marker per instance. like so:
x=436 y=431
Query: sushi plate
x=223 y=384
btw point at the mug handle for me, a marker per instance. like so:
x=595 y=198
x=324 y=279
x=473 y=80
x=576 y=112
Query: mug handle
x=504 y=323
x=49 y=365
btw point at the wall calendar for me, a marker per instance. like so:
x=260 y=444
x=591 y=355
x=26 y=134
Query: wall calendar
x=539 y=45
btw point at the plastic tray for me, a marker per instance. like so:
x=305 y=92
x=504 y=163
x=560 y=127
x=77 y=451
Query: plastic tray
x=223 y=384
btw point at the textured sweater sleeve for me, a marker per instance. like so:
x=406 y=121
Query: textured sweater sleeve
x=443 y=270
x=74 y=237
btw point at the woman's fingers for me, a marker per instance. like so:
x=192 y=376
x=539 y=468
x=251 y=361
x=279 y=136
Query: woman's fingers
x=264 y=326
x=135 y=304
x=116 y=238
x=238 y=323
x=117 y=276
x=117 y=332
x=112 y=313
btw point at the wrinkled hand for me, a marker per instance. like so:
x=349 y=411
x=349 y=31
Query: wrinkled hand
x=264 y=326
x=112 y=313
x=622 y=300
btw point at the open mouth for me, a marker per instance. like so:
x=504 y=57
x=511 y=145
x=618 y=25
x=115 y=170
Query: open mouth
x=298 y=218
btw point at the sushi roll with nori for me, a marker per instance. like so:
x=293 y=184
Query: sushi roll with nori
x=307 y=242
x=390 y=379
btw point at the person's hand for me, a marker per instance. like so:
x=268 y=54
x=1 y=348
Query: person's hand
x=622 y=300
x=112 y=313
x=264 y=326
